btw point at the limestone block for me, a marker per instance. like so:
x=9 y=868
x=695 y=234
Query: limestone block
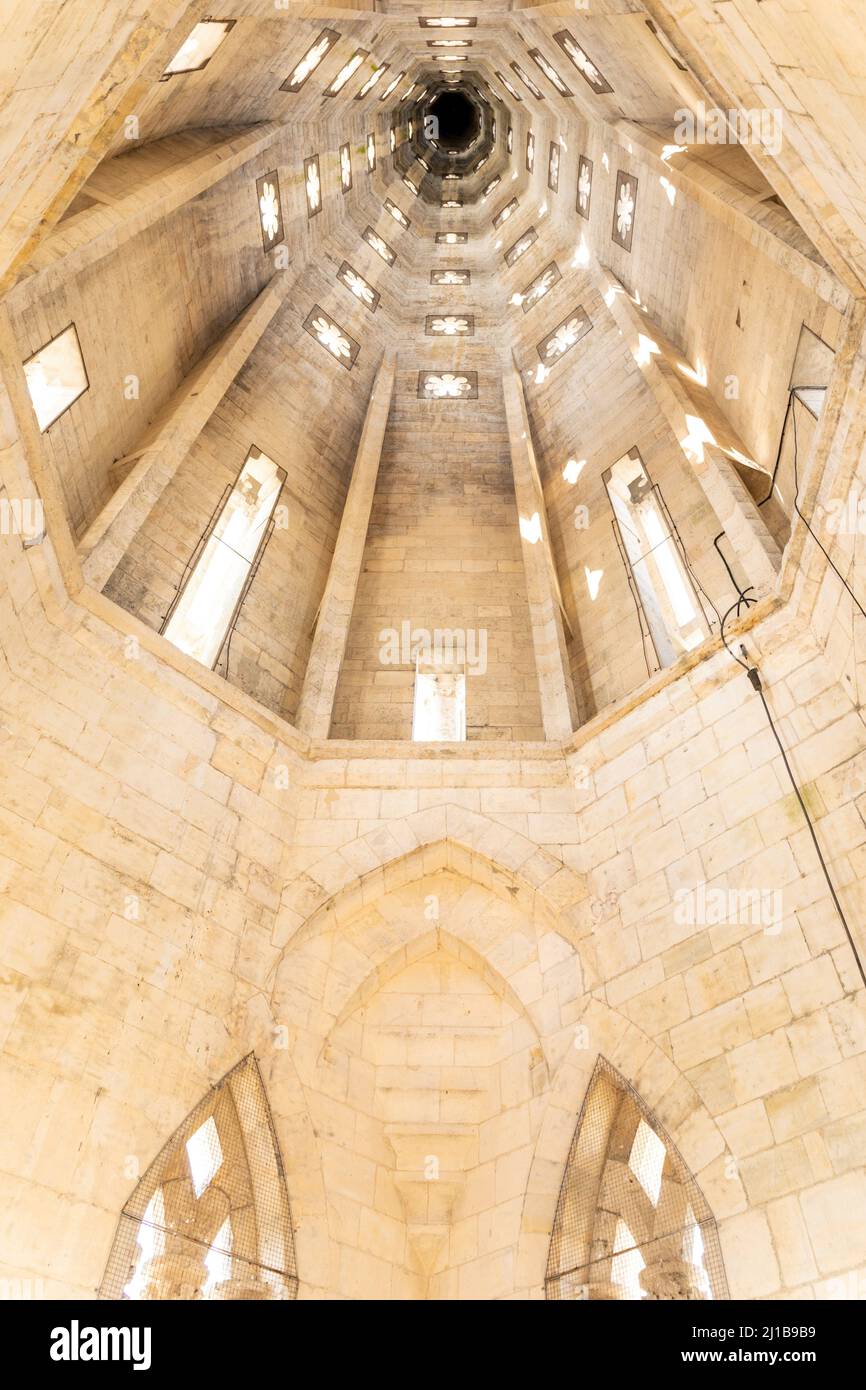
x=838 y=1242
x=750 y=1259
x=759 y=1067
x=791 y=1240
x=796 y=1109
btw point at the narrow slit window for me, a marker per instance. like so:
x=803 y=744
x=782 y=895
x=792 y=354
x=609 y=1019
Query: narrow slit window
x=693 y=1253
x=150 y=1242
x=209 y=600
x=647 y=1161
x=811 y=373
x=205 y=1154
x=663 y=588
x=56 y=377
x=218 y=1260
x=440 y=706
x=198 y=47
x=627 y=1263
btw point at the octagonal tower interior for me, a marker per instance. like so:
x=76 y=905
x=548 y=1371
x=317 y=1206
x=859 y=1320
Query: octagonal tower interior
x=433 y=592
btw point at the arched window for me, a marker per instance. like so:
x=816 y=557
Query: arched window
x=210 y=1219
x=631 y=1221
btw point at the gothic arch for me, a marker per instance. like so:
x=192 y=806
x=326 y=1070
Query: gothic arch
x=210 y=1219
x=518 y=933
x=444 y=836
x=436 y=937
x=673 y=1104
x=550 y=907
x=631 y=1221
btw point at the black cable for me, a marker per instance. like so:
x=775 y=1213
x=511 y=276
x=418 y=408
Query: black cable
x=729 y=649
x=792 y=396
x=684 y=556
x=790 y=413
x=743 y=593
x=809 y=528
x=755 y=678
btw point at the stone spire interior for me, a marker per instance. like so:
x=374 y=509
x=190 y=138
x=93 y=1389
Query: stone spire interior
x=432 y=516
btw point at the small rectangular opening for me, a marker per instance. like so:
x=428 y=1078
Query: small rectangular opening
x=209 y=600
x=439 y=714
x=56 y=377
x=663 y=586
x=812 y=397
x=198 y=47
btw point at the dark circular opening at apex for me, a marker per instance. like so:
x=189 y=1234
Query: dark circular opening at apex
x=458 y=119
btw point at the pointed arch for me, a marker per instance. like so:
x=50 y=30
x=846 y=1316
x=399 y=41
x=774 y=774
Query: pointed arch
x=328 y=961
x=210 y=1219
x=448 y=836
x=352 y=945
x=432 y=940
x=631 y=1221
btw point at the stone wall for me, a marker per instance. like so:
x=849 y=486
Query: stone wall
x=271 y=406
x=426 y=949
x=443 y=553
x=171 y=865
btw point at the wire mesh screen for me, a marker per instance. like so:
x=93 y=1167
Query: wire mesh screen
x=210 y=1219
x=631 y=1221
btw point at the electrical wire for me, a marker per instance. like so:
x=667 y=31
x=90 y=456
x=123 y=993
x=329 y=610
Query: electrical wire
x=808 y=525
x=755 y=678
x=743 y=593
x=790 y=413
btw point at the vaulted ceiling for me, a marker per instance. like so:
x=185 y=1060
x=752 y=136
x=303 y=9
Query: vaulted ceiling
x=592 y=185
x=600 y=91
